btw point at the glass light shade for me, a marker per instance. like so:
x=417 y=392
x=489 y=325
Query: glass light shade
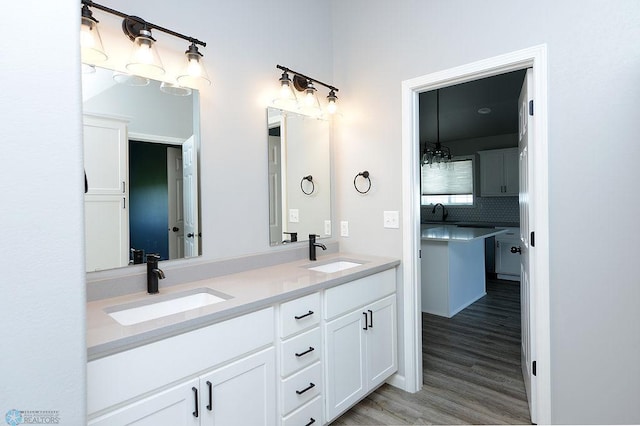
x=310 y=103
x=194 y=74
x=144 y=57
x=174 y=89
x=92 y=50
x=286 y=97
x=130 y=79
x=332 y=106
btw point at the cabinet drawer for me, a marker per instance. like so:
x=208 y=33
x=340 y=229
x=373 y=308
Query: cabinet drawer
x=301 y=388
x=310 y=414
x=299 y=314
x=347 y=297
x=300 y=351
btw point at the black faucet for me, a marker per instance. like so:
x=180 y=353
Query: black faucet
x=444 y=211
x=313 y=245
x=153 y=273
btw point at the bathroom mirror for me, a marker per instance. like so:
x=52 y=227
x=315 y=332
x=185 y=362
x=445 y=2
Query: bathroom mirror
x=141 y=146
x=299 y=177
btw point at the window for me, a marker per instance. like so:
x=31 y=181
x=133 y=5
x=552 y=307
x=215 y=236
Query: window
x=450 y=184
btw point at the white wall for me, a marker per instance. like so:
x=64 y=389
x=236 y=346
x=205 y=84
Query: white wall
x=594 y=63
x=42 y=289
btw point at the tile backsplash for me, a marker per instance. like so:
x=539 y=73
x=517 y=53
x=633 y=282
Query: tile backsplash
x=487 y=209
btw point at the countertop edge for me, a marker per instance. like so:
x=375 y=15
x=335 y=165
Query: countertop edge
x=143 y=338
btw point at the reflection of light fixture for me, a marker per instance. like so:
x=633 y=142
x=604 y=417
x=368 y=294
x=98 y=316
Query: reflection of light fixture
x=174 y=89
x=287 y=97
x=194 y=73
x=129 y=79
x=92 y=50
x=484 y=110
x=144 y=56
x=309 y=103
x=436 y=152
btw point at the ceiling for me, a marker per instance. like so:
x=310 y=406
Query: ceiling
x=459 y=105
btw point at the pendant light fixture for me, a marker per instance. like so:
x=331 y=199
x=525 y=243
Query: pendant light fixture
x=92 y=50
x=436 y=152
x=308 y=103
x=144 y=56
x=194 y=73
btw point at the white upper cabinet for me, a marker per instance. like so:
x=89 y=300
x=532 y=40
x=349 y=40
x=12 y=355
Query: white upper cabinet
x=499 y=173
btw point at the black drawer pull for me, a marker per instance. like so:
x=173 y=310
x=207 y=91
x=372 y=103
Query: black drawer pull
x=311 y=421
x=305 y=315
x=195 y=397
x=311 y=349
x=366 y=327
x=210 y=406
x=311 y=386
x=370 y=318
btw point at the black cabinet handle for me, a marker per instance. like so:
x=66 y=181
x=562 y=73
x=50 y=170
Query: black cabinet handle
x=516 y=250
x=303 y=316
x=311 y=386
x=366 y=327
x=195 y=398
x=175 y=229
x=370 y=318
x=311 y=421
x=311 y=349
x=190 y=235
x=209 y=407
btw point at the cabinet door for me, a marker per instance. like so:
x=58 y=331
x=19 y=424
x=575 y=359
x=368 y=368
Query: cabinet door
x=382 y=360
x=506 y=262
x=491 y=173
x=241 y=393
x=511 y=175
x=345 y=371
x=172 y=407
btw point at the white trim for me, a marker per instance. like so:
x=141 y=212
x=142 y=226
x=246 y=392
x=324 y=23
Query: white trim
x=535 y=57
x=146 y=137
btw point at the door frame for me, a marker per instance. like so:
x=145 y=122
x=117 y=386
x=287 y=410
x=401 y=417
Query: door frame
x=534 y=57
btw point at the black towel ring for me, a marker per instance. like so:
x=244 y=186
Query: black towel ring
x=313 y=186
x=365 y=175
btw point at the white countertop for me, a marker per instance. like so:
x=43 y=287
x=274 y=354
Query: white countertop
x=250 y=290
x=453 y=233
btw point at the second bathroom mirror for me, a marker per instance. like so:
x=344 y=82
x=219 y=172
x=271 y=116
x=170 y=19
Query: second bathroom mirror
x=299 y=176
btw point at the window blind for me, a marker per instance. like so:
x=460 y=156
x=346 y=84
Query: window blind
x=456 y=178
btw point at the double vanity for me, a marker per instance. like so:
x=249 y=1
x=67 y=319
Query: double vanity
x=453 y=267
x=294 y=344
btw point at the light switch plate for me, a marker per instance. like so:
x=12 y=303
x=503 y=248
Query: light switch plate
x=327 y=227
x=392 y=219
x=294 y=216
x=344 y=228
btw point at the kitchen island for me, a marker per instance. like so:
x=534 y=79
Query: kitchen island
x=453 y=269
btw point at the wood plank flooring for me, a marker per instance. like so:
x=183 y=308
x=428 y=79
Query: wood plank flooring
x=471 y=373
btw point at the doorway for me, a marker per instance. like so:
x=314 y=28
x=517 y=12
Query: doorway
x=534 y=58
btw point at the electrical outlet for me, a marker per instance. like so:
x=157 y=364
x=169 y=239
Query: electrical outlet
x=294 y=216
x=392 y=219
x=327 y=227
x=344 y=228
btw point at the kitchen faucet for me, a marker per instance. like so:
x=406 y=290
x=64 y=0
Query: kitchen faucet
x=153 y=273
x=444 y=211
x=313 y=245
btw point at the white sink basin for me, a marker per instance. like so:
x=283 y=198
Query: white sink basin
x=180 y=302
x=337 y=266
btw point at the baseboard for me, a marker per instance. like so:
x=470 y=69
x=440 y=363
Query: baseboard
x=508 y=277
x=398 y=381
x=467 y=304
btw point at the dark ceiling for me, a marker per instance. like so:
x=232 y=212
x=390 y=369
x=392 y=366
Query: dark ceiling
x=459 y=104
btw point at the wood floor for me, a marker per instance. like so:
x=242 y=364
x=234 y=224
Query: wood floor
x=471 y=372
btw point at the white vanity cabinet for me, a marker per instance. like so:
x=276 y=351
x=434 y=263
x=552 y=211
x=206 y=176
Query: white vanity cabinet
x=138 y=386
x=499 y=175
x=300 y=361
x=507 y=264
x=361 y=342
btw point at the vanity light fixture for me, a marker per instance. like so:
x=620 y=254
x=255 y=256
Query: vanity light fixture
x=309 y=104
x=436 y=152
x=92 y=50
x=144 y=57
